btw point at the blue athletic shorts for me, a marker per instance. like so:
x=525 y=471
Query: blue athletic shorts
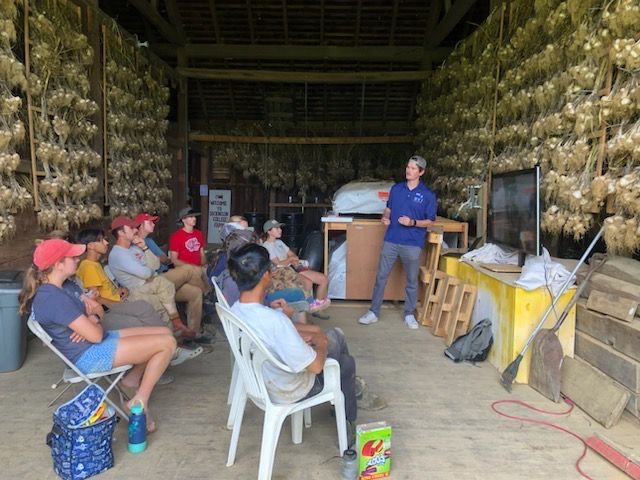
x=99 y=356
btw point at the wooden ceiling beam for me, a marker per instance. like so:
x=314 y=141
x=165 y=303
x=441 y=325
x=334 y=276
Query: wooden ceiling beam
x=451 y=18
x=301 y=77
x=213 y=138
x=167 y=30
x=396 y=54
x=214 y=19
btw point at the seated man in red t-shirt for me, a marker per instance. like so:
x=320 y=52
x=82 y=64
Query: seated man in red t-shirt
x=186 y=246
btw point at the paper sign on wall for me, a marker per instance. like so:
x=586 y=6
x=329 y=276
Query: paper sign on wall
x=219 y=212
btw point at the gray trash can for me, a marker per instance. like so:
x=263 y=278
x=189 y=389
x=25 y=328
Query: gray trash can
x=13 y=329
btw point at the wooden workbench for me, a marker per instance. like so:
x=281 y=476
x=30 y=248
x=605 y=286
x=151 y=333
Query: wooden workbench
x=364 y=242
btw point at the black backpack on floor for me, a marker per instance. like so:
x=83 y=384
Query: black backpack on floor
x=474 y=346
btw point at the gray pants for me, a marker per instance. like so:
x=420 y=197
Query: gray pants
x=137 y=313
x=338 y=350
x=410 y=258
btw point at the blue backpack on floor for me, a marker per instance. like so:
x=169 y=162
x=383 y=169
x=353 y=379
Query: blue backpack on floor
x=80 y=450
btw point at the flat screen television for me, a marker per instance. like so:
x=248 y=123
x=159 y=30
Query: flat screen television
x=514 y=210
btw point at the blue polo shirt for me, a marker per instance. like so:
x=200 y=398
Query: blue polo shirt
x=419 y=204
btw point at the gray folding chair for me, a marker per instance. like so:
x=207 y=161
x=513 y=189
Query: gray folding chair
x=73 y=375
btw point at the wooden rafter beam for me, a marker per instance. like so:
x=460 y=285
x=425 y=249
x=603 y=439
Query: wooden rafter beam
x=453 y=16
x=285 y=22
x=167 y=30
x=301 y=77
x=358 y=17
x=394 y=21
x=214 y=19
x=203 y=102
x=212 y=138
x=173 y=12
x=322 y=22
x=250 y=21
x=390 y=53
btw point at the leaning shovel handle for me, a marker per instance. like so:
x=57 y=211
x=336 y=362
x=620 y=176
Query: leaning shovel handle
x=578 y=292
x=563 y=288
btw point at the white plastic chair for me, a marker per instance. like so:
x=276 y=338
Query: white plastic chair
x=250 y=353
x=72 y=374
x=234 y=369
x=235 y=387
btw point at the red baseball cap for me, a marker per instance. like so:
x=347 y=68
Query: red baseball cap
x=123 y=222
x=143 y=216
x=51 y=251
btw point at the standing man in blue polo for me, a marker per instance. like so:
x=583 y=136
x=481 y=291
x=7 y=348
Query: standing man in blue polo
x=411 y=209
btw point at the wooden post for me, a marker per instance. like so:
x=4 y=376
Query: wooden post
x=492 y=152
x=181 y=190
x=96 y=76
x=602 y=138
x=105 y=129
x=32 y=143
x=205 y=161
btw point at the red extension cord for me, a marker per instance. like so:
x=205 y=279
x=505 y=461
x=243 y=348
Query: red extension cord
x=548 y=424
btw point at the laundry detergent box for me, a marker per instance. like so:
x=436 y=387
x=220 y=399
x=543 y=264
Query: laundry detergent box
x=373 y=441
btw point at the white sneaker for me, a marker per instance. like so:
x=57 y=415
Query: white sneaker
x=368 y=318
x=411 y=322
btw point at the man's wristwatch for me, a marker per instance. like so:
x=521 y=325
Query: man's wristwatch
x=413 y=222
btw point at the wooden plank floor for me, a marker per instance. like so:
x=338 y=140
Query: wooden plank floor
x=444 y=427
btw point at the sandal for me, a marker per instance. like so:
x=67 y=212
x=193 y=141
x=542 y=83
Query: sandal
x=184 y=354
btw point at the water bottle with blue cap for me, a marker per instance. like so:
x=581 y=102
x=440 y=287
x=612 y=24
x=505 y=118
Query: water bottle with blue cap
x=137 y=428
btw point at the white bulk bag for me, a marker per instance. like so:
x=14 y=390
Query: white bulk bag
x=362 y=197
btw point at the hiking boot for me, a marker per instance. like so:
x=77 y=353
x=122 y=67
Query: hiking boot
x=204 y=339
x=411 y=321
x=368 y=318
x=318 y=305
x=371 y=401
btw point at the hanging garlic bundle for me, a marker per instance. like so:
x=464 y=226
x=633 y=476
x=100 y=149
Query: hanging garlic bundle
x=624 y=144
x=597 y=44
x=13 y=196
x=622 y=102
x=621 y=234
x=63 y=128
x=627 y=190
x=622 y=17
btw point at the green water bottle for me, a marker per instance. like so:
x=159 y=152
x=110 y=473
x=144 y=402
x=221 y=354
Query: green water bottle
x=137 y=428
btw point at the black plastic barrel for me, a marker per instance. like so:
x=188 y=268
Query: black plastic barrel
x=293 y=229
x=256 y=220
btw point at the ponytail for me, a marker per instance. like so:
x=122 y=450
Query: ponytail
x=33 y=278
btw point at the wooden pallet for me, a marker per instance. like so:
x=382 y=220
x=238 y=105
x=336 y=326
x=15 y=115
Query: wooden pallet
x=429 y=271
x=431 y=304
x=463 y=319
x=448 y=308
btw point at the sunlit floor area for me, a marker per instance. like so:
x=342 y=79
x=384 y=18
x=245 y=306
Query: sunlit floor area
x=443 y=424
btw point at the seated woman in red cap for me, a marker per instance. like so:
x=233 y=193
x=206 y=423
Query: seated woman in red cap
x=80 y=336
